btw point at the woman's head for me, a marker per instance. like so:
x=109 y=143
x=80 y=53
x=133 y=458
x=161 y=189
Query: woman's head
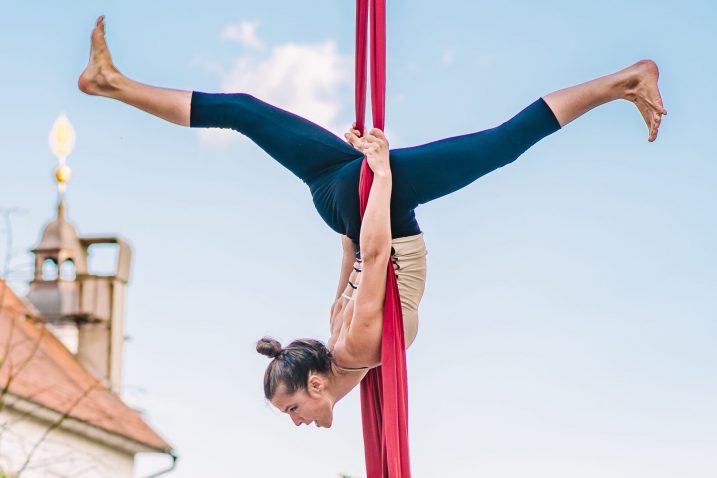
x=297 y=380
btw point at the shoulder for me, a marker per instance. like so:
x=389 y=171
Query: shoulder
x=349 y=358
x=352 y=343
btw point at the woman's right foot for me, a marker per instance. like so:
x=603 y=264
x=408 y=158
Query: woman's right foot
x=100 y=76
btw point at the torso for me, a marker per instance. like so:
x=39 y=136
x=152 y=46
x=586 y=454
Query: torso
x=409 y=263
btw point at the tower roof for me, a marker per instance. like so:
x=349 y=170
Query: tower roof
x=59 y=234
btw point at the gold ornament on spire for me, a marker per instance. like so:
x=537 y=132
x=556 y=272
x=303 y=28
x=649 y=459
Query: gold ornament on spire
x=62 y=142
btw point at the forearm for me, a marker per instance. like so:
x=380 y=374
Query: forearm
x=375 y=238
x=347 y=264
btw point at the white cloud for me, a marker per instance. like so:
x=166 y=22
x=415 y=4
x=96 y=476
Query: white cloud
x=311 y=80
x=218 y=138
x=304 y=79
x=244 y=33
x=449 y=56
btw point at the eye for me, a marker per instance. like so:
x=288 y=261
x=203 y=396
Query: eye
x=293 y=409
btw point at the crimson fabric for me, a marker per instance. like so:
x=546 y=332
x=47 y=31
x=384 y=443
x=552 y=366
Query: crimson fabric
x=384 y=390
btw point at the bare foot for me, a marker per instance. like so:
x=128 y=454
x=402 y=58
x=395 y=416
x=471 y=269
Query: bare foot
x=100 y=76
x=641 y=89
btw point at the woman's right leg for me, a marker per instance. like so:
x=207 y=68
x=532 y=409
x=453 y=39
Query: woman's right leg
x=103 y=79
x=301 y=146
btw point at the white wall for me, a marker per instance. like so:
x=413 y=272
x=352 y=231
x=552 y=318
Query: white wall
x=61 y=453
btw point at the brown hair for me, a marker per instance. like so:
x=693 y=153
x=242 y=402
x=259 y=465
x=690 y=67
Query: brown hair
x=291 y=366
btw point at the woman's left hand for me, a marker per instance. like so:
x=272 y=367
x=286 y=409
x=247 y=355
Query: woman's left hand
x=354 y=137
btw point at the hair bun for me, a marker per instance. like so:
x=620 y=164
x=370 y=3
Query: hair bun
x=269 y=347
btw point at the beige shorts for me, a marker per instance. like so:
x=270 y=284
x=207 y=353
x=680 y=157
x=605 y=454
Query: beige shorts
x=409 y=262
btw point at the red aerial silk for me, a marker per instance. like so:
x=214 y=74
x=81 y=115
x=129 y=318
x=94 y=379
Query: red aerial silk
x=384 y=390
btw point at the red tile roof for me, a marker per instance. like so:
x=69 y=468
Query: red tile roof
x=39 y=368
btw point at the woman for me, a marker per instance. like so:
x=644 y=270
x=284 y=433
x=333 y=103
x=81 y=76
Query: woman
x=306 y=379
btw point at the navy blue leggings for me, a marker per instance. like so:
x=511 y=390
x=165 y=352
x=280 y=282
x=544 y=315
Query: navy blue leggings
x=330 y=166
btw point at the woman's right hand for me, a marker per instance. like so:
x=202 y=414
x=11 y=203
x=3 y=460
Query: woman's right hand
x=374 y=146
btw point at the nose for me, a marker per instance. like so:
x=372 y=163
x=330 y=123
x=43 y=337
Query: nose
x=297 y=421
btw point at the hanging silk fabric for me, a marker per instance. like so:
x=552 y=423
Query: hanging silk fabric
x=384 y=390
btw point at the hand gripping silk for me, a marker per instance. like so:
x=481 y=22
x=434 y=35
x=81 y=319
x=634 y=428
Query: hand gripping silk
x=384 y=390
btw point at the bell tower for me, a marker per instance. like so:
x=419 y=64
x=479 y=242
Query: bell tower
x=86 y=311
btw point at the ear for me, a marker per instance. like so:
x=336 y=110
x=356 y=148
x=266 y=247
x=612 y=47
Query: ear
x=315 y=384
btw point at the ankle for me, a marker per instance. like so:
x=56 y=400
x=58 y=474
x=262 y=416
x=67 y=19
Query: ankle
x=625 y=85
x=114 y=79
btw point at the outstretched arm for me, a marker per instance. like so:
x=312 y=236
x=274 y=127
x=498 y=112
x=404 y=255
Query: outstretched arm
x=364 y=336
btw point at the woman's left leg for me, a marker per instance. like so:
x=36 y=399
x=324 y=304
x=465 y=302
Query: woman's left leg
x=436 y=169
x=636 y=83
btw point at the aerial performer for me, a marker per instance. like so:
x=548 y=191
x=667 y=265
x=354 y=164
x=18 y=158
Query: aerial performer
x=307 y=378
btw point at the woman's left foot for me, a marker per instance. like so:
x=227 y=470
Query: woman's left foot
x=642 y=89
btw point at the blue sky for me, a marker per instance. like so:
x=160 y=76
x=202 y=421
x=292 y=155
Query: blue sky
x=568 y=327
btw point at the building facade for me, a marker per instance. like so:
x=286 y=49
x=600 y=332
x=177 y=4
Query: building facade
x=61 y=347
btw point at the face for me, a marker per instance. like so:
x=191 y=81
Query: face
x=305 y=407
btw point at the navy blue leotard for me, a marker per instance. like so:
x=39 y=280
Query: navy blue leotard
x=330 y=166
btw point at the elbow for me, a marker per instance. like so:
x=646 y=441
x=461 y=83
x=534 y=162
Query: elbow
x=376 y=248
x=375 y=243
x=376 y=255
x=348 y=247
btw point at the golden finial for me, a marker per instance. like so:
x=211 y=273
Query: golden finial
x=62 y=141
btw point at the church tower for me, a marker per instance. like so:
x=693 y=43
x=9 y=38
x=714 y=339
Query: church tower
x=86 y=311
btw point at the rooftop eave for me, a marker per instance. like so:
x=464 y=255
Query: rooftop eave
x=112 y=439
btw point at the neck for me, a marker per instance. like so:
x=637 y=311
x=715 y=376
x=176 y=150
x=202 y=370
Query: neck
x=342 y=382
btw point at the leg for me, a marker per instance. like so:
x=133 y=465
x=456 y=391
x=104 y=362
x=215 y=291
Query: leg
x=304 y=148
x=436 y=169
x=103 y=79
